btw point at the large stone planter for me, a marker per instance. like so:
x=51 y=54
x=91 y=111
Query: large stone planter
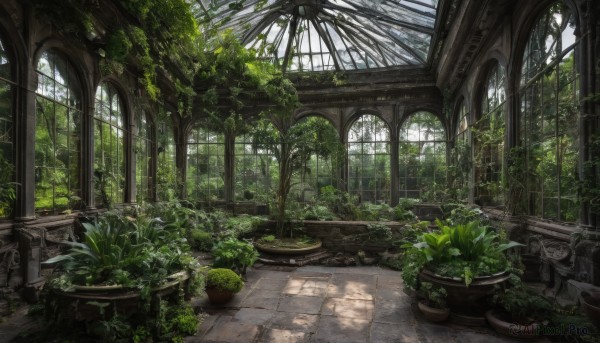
x=89 y=303
x=460 y=297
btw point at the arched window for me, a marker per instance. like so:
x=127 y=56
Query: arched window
x=318 y=168
x=109 y=146
x=7 y=162
x=144 y=175
x=57 y=135
x=255 y=169
x=205 y=165
x=166 y=184
x=461 y=154
x=422 y=157
x=369 y=159
x=549 y=95
x=489 y=140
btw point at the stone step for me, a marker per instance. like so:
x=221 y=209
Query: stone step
x=296 y=260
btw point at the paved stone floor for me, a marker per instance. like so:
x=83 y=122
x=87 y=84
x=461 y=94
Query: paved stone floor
x=323 y=304
x=313 y=305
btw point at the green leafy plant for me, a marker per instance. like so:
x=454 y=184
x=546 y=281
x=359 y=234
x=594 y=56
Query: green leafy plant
x=433 y=296
x=234 y=254
x=521 y=303
x=224 y=279
x=201 y=240
x=464 y=251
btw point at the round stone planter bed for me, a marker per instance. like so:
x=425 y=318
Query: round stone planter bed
x=82 y=303
x=285 y=250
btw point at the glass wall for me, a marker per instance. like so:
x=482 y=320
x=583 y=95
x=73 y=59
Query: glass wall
x=57 y=135
x=166 y=183
x=461 y=155
x=488 y=138
x=369 y=159
x=422 y=158
x=205 y=165
x=549 y=96
x=255 y=170
x=144 y=149
x=318 y=168
x=109 y=147
x=7 y=162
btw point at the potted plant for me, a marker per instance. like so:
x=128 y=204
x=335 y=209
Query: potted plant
x=126 y=266
x=432 y=302
x=222 y=284
x=466 y=259
x=520 y=311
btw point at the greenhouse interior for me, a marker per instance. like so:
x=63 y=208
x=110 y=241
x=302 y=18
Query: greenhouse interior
x=299 y=171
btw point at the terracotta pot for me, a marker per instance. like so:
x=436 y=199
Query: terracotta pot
x=217 y=296
x=590 y=301
x=433 y=314
x=460 y=296
x=512 y=329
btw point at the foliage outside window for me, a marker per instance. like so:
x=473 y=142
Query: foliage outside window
x=255 y=170
x=461 y=155
x=489 y=140
x=369 y=159
x=205 y=165
x=319 y=169
x=143 y=159
x=57 y=135
x=7 y=166
x=549 y=96
x=422 y=157
x=166 y=183
x=109 y=147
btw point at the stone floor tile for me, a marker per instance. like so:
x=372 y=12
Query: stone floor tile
x=294 y=321
x=254 y=316
x=362 y=288
x=232 y=332
x=271 y=284
x=262 y=298
x=432 y=332
x=348 y=308
x=403 y=332
x=392 y=312
x=300 y=304
x=283 y=336
x=341 y=330
x=307 y=286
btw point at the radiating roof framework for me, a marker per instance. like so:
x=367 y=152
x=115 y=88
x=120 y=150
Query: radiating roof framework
x=321 y=35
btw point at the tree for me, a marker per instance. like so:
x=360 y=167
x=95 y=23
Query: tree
x=292 y=144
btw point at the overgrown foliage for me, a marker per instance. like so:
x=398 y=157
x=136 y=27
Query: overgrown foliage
x=464 y=251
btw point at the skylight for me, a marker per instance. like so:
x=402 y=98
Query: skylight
x=322 y=35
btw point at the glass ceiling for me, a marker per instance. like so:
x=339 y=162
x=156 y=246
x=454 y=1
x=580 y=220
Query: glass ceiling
x=319 y=35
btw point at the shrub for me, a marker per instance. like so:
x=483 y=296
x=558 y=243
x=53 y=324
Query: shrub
x=201 y=240
x=224 y=279
x=234 y=254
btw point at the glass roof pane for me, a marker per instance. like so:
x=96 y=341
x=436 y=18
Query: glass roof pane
x=329 y=34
